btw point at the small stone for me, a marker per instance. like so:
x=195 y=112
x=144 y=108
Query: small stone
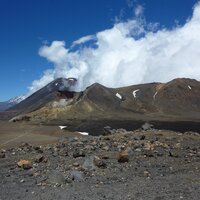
x=78 y=153
x=173 y=154
x=146 y=173
x=177 y=145
x=24 y=144
x=36 y=148
x=2 y=155
x=76 y=176
x=106 y=148
x=88 y=165
x=3 y=151
x=75 y=164
x=25 y=164
x=63 y=152
x=142 y=137
x=147 y=126
x=148 y=153
x=105 y=157
x=40 y=151
x=138 y=150
x=130 y=151
x=123 y=156
x=107 y=130
x=99 y=162
x=121 y=147
x=160 y=151
x=149 y=146
x=45 y=159
x=89 y=148
x=39 y=158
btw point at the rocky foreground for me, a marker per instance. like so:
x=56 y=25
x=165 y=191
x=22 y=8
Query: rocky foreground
x=150 y=164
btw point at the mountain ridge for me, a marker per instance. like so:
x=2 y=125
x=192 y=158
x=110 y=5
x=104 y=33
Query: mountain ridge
x=11 y=102
x=177 y=99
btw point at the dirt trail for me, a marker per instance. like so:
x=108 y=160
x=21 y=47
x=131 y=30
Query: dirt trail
x=13 y=134
x=12 y=140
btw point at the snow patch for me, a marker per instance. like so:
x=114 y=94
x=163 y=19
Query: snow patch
x=154 y=96
x=134 y=92
x=189 y=87
x=118 y=95
x=56 y=84
x=62 y=127
x=83 y=133
x=71 y=79
x=17 y=99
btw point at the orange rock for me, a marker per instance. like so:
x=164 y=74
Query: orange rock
x=149 y=146
x=123 y=156
x=25 y=164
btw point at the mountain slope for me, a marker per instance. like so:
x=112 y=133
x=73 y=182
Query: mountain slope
x=179 y=96
x=55 y=90
x=12 y=102
x=177 y=100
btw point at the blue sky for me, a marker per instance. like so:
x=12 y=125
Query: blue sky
x=26 y=25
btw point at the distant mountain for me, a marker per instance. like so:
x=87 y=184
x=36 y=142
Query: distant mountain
x=16 y=100
x=8 y=104
x=57 y=89
x=178 y=100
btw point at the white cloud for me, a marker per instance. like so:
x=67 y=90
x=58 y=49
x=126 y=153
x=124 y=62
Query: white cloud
x=129 y=53
x=47 y=77
x=83 y=40
x=138 y=11
x=131 y=3
x=57 y=53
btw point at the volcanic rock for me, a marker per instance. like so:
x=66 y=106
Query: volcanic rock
x=78 y=153
x=88 y=164
x=99 y=162
x=39 y=158
x=123 y=156
x=147 y=126
x=2 y=155
x=25 y=164
x=76 y=176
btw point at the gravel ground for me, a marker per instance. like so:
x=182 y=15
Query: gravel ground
x=139 y=164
